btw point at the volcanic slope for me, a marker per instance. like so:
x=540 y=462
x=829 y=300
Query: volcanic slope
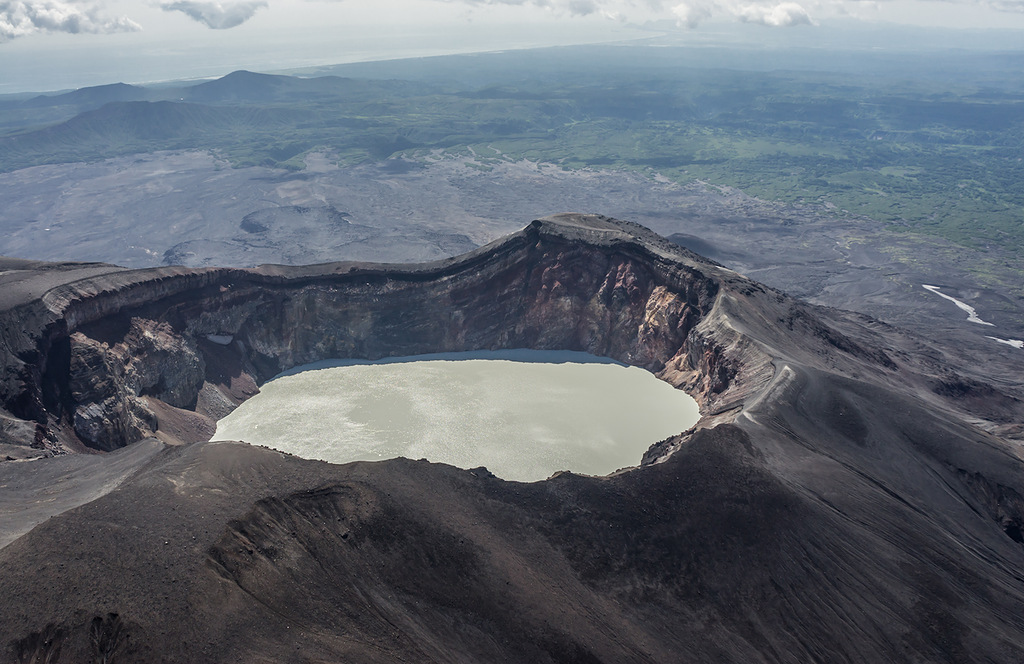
x=850 y=495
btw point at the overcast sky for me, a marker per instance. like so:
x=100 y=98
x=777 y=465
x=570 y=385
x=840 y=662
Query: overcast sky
x=53 y=44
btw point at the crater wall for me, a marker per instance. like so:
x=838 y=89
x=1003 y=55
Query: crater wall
x=131 y=354
x=834 y=505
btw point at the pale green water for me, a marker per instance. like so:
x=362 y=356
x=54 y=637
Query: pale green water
x=522 y=414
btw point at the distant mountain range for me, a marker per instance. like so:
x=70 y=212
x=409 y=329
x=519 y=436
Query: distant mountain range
x=237 y=87
x=241 y=111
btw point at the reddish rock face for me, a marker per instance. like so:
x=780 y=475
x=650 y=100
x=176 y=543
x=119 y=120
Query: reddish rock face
x=99 y=356
x=131 y=335
x=106 y=382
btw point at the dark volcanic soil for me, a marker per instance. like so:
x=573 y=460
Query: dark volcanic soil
x=851 y=494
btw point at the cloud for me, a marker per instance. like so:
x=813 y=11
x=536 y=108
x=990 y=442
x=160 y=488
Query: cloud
x=216 y=15
x=781 y=15
x=687 y=13
x=538 y=3
x=692 y=14
x=583 y=7
x=770 y=13
x=1015 y=6
x=24 y=17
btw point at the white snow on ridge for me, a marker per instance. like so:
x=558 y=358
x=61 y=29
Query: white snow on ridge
x=1016 y=343
x=972 y=314
x=972 y=317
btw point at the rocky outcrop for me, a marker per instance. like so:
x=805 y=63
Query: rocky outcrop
x=575 y=283
x=93 y=353
x=105 y=382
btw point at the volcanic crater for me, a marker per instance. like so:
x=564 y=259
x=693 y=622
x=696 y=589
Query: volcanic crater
x=837 y=501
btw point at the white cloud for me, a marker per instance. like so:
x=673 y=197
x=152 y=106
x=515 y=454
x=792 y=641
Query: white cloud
x=688 y=13
x=583 y=7
x=216 y=15
x=24 y=17
x=770 y=13
x=538 y=3
x=781 y=15
x=1015 y=6
x=693 y=13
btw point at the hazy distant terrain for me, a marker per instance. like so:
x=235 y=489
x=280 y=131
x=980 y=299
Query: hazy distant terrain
x=926 y=142
x=851 y=185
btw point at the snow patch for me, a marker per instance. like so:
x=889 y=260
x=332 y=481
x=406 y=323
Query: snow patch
x=972 y=314
x=1016 y=343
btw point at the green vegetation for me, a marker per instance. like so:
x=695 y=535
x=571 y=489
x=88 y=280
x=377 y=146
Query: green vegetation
x=937 y=156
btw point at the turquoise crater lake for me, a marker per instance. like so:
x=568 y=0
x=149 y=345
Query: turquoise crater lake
x=523 y=414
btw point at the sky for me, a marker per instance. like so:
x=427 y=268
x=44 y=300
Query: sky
x=63 y=44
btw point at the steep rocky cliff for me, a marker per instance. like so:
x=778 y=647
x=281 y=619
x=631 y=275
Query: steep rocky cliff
x=114 y=344
x=849 y=494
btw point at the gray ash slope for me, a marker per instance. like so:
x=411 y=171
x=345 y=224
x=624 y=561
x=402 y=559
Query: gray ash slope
x=850 y=495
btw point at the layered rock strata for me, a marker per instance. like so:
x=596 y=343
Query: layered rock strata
x=109 y=346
